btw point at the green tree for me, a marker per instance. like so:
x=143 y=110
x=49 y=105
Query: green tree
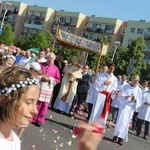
x=120 y=59
x=22 y=43
x=145 y=75
x=48 y=35
x=93 y=58
x=38 y=40
x=7 y=36
x=136 y=52
x=68 y=53
x=123 y=56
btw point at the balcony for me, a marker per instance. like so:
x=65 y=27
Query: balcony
x=67 y=24
x=33 y=17
x=147 y=36
x=34 y=26
x=12 y=20
x=109 y=31
x=95 y=30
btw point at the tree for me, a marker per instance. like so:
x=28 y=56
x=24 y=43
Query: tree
x=37 y=40
x=129 y=60
x=7 y=36
x=92 y=60
x=48 y=35
x=68 y=53
x=136 y=52
x=145 y=75
x=22 y=43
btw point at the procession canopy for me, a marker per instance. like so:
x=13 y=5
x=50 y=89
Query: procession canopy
x=74 y=41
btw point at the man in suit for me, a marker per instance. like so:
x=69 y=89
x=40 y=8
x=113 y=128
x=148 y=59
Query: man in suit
x=82 y=89
x=58 y=62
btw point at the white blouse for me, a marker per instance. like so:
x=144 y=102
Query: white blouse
x=10 y=145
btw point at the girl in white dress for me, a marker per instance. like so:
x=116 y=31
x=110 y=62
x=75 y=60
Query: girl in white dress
x=19 y=93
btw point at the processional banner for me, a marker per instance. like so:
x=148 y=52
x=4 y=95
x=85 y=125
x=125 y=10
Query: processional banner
x=78 y=42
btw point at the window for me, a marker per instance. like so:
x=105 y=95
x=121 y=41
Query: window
x=96 y=26
x=109 y=29
x=73 y=21
x=140 y=31
x=62 y=21
x=132 y=30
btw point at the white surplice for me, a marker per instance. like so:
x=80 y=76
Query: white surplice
x=66 y=105
x=144 y=113
x=127 y=108
x=115 y=98
x=98 y=99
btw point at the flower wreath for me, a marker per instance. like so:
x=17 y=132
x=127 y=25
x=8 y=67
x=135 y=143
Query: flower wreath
x=9 y=56
x=21 y=84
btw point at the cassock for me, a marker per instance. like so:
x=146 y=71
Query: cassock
x=127 y=108
x=101 y=96
x=144 y=113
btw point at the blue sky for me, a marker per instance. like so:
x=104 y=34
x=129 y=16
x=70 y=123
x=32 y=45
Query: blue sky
x=122 y=9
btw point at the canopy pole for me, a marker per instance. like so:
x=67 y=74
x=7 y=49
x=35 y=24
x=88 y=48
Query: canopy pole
x=57 y=30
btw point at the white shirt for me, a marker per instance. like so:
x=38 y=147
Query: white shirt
x=10 y=145
x=23 y=61
x=101 y=78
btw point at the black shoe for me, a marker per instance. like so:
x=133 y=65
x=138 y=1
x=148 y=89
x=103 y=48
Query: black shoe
x=132 y=129
x=38 y=124
x=120 y=141
x=114 y=139
x=137 y=134
x=144 y=137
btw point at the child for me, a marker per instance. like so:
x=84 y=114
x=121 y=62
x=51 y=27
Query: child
x=34 y=69
x=19 y=93
x=7 y=61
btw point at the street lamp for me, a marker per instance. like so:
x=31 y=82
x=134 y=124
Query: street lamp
x=4 y=7
x=117 y=43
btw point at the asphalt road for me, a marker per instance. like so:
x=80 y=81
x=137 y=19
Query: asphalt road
x=56 y=134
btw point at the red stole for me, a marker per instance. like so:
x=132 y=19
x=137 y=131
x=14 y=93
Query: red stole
x=107 y=103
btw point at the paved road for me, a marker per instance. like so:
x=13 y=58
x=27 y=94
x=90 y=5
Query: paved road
x=56 y=134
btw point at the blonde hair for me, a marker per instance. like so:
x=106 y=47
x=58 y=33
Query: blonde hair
x=136 y=77
x=10 y=103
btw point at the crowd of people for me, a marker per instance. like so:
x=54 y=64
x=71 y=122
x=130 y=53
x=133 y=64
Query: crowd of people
x=26 y=88
x=68 y=87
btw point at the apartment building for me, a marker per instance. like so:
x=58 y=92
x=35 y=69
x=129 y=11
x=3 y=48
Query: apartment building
x=73 y=22
x=97 y=27
x=26 y=20
x=15 y=16
x=137 y=29
x=38 y=18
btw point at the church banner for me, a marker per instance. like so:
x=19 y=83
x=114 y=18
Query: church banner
x=74 y=41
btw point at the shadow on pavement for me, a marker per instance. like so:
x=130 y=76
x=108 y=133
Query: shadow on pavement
x=61 y=124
